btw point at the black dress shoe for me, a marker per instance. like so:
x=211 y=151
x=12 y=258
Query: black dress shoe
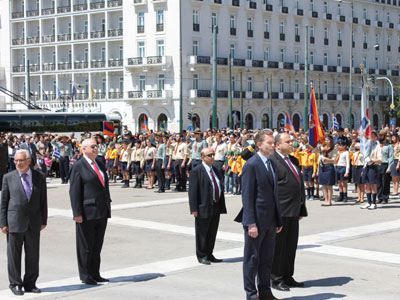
x=204 y=261
x=33 y=289
x=293 y=283
x=101 y=279
x=89 y=281
x=280 y=286
x=17 y=290
x=214 y=260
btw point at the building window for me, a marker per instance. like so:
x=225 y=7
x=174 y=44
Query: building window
x=282 y=55
x=249 y=52
x=232 y=22
x=296 y=29
x=160 y=20
x=339 y=35
x=142 y=83
x=376 y=15
x=325 y=59
x=388 y=17
x=339 y=9
x=311 y=57
x=364 y=13
x=196 y=22
x=233 y=83
x=325 y=87
x=232 y=50
x=141 y=49
x=339 y=87
x=160 y=48
x=296 y=86
x=140 y=22
x=195 y=81
x=214 y=20
x=376 y=63
x=281 y=86
x=266 y=54
x=249 y=84
x=325 y=7
x=325 y=33
x=339 y=60
x=266 y=25
x=281 y=28
x=195 y=48
x=312 y=5
x=311 y=31
x=161 y=82
x=249 y=24
x=296 y=57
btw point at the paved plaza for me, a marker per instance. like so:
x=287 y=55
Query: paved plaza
x=149 y=252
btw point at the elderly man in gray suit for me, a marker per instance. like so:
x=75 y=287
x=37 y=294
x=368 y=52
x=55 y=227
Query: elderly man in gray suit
x=23 y=214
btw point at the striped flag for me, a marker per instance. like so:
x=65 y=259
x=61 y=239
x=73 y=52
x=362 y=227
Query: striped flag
x=316 y=133
x=56 y=153
x=288 y=123
x=365 y=127
x=335 y=123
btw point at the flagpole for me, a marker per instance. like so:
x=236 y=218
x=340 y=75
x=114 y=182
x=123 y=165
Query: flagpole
x=305 y=118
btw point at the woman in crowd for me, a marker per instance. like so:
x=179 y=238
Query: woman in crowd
x=342 y=163
x=395 y=167
x=326 y=173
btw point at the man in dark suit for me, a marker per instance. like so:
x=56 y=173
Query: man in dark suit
x=23 y=216
x=91 y=207
x=291 y=196
x=261 y=218
x=207 y=202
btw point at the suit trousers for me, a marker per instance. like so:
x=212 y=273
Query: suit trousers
x=257 y=262
x=285 y=250
x=206 y=233
x=384 y=182
x=30 y=240
x=180 y=173
x=64 y=168
x=89 y=241
x=160 y=175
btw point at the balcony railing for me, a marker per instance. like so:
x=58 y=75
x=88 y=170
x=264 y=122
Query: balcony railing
x=97 y=34
x=80 y=35
x=17 y=14
x=18 y=41
x=48 y=11
x=133 y=61
x=48 y=38
x=257 y=95
x=135 y=94
x=63 y=9
x=115 y=32
x=257 y=63
x=98 y=64
x=154 y=94
x=65 y=66
x=114 y=3
x=140 y=29
x=239 y=62
x=48 y=67
x=81 y=96
x=97 y=4
x=32 y=40
x=236 y=94
x=152 y=60
x=222 y=61
x=20 y=68
x=115 y=62
x=99 y=95
x=64 y=37
x=81 y=65
x=34 y=68
x=80 y=7
x=32 y=13
x=115 y=95
x=160 y=27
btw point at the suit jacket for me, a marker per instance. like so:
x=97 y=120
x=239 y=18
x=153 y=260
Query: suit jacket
x=201 y=193
x=259 y=196
x=291 y=194
x=3 y=158
x=18 y=212
x=89 y=198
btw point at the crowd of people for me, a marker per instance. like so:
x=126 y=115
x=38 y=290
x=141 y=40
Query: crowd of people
x=167 y=158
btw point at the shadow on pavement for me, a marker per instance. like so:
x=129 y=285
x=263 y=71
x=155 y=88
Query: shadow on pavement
x=301 y=247
x=233 y=260
x=77 y=287
x=137 y=278
x=322 y=296
x=331 y=281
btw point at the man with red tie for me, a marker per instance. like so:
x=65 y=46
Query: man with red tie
x=207 y=202
x=291 y=198
x=91 y=206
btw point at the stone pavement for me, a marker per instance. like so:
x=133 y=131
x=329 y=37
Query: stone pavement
x=149 y=252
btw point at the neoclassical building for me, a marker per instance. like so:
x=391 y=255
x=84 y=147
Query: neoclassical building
x=135 y=57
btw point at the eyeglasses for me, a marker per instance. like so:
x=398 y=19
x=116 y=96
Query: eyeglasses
x=210 y=155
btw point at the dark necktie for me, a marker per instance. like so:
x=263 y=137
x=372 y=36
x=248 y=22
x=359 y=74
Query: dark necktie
x=96 y=169
x=216 y=189
x=269 y=167
x=27 y=185
x=292 y=169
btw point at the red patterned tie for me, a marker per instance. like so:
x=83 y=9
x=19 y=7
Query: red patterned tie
x=293 y=169
x=96 y=169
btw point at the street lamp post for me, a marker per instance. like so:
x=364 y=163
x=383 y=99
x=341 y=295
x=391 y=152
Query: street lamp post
x=392 y=106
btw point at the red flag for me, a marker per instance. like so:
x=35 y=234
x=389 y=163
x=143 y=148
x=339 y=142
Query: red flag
x=316 y=133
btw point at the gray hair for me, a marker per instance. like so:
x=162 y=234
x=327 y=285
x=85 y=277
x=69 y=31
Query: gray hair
x=279 y=136
x=26 y=153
